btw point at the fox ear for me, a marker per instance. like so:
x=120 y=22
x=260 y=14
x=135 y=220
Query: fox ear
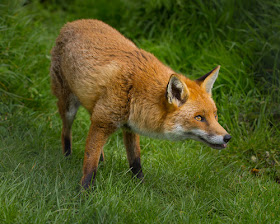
x=177 y=91
x=207 y=81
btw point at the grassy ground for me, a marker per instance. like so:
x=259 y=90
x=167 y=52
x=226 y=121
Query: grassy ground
x=186 y=182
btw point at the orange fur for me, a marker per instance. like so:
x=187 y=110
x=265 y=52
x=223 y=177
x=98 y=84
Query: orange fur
x=123 y=86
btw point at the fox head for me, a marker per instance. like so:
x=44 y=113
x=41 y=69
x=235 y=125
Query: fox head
x=193 y=113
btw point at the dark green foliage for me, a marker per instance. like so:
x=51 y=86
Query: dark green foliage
x=185 y=182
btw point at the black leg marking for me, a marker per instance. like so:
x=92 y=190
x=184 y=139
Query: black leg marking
x=67 y=146
x=137 y=169
x=89 y=180
x=101 y=158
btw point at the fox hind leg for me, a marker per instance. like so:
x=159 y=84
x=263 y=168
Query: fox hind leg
x=67 y=103
x=68 y=106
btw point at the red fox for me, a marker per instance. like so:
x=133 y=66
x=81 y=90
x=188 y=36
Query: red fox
x=122 y=86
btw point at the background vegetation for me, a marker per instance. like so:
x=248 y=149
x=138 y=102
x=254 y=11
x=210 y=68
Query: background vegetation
x=186 y=182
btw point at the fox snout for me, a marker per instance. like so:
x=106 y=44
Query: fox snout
x=227 y=137
x=218 y=142
x=213 y=140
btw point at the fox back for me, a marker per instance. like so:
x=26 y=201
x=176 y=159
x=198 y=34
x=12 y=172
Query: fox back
x=122 y=86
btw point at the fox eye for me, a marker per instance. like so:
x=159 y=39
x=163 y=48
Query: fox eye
x=199 y=118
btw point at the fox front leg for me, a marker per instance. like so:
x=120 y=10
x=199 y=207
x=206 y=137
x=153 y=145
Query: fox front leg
x=132 y=145
x=96 y=139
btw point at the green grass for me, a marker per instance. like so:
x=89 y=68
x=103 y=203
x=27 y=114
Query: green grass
x=185 y=182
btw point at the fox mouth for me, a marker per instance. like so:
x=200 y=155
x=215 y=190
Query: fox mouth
x=196 y=137
x=214 y=146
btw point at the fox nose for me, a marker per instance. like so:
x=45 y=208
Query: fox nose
x=227 y=137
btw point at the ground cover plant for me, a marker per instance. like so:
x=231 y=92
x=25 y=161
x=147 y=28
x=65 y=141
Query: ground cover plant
x=185 y=182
